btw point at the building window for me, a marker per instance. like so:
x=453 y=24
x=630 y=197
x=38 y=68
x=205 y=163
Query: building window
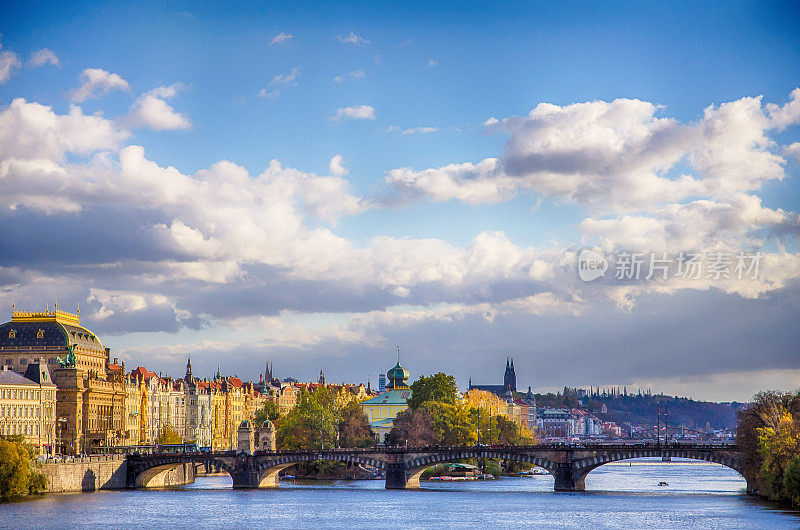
x=23 y=361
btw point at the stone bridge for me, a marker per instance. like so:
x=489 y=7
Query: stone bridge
x=569 y=464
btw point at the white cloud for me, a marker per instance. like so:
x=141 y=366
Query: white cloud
x=97 y=83
x=150 y=110
x=337 y=167
x=358 y=112
x=30 y=131
x=470 y=183
x=618 y=156
x=280 y=38
x=793 y=150
x=421 y=130
x=286 y=79
x=269 y=94
x=355 y=74
x=786 y=115
x=432 y=63
x=43 y=57
x=352 y=38
x=8 y=63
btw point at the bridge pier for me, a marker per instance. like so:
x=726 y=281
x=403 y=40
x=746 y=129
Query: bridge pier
x=568 y=479
x=396 y=476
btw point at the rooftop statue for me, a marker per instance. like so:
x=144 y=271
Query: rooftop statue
x=69 y=361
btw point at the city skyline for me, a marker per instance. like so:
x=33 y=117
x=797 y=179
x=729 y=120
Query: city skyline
x=317 y=186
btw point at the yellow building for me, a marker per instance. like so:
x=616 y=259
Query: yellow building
x=384 y=408
x=90 y=399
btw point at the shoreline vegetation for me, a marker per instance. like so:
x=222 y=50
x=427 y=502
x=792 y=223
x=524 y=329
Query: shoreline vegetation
x=19 y=470
x=768 y=435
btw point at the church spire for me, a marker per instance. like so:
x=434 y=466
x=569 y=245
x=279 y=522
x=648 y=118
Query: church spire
x=189 y=378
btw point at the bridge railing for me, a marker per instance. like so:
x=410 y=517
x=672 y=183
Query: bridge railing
x=559 y=446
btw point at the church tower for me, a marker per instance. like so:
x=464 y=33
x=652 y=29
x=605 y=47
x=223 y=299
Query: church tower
x=510 y=377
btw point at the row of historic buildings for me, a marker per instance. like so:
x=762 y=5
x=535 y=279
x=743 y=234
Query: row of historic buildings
x=61 y=390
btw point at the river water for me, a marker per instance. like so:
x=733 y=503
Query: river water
x=619 y=495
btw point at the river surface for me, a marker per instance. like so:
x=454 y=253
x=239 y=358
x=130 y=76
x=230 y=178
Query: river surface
x=619 y=495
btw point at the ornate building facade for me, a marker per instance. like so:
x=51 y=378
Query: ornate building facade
x=382 y=409
x=90 y=399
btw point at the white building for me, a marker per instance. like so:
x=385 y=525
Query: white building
x=198 y=415
x=28 y=406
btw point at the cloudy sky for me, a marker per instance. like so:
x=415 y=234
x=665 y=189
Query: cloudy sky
x=318 y=184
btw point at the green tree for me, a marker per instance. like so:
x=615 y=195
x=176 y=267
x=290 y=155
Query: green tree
x=354 y=428
x=453 y=424
x=269 y=412
x=18 y=473
x=791 y=480
x=168 y=435
x=317 y=419
x=439 y=387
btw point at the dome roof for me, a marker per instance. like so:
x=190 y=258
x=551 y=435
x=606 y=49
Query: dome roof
x=53 y=329
x=398 y=376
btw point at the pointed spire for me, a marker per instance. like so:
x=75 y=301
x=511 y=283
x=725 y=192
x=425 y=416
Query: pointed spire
x=189 y=376
x=512 y=363
x=398 y=354
x=507 y=365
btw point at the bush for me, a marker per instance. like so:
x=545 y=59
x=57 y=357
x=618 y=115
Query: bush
x=791 y=480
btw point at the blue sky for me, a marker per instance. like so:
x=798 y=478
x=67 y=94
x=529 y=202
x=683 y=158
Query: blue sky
x=241 y=95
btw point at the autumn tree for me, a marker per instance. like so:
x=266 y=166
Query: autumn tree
x=413 y=427
x=168 y=435
x=18 y=472
x=768 y=436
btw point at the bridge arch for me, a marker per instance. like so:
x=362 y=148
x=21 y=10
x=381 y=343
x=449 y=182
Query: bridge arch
x=154 y=472
x=417 y=466
x=268 y=468
x=582 y=467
